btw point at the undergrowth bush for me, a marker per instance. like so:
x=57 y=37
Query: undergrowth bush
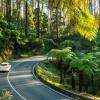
x=50 y=44
x=7 y=95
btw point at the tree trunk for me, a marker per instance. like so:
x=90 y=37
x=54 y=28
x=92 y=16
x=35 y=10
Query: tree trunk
x=38 y=19
x=61 y=72
x=1 y=8
x=49 y=20
x=81 y=80
x=99 y=12
x=92 y=84
x=73 y=82
x=18 y=13
x=87 y=83
x=33 y=5
x=8 y=10
x=26 y=17
x=57 y=32
x=92 y=81
x=61 y=77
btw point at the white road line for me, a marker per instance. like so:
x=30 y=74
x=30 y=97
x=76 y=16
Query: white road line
x=22 y=97
x=68 y=98
x=13 y=86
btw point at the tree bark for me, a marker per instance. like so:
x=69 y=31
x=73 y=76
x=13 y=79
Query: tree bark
x=8 y=10
x=61 y=72
x=81 y=80
x=26 y=17
x=18 y=13
x=57 y=32
x=61 y=77
x=73 y=82
x=38 y=19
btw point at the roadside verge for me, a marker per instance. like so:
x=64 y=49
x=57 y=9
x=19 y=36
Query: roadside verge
x=73 y=95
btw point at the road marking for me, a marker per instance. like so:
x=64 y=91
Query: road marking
x=22 y=97
x=12 y=85
x=32 y=83
x=68 y=98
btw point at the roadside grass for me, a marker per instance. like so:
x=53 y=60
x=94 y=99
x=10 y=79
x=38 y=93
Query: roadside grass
x=25 y=54
x=1 y=60
x=51 y=75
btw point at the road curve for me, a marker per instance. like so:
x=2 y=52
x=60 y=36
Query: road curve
x=26 y=86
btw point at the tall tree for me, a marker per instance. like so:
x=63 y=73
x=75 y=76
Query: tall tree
x=8 y=10
x=38 y=18
x=26 y=17
x=1 y=7
x=78 y=12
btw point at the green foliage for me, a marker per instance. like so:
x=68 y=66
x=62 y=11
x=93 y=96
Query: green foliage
x=81 y=20
x=43 y=22
x=3 y=24
x=11 y=26
x=48 y=73
x=50 y=44
x=30 y=19
x=65 y=55
x=38 y=43
x=54 y=54
x=68 y=55
x=96 y=49
x=9 y=38
x=77 y=43
x=7 y=95
x=67 y=43
x=81 y=62
x=1 y=32
x=57 y=25
x=86 y=25
x=84 y=65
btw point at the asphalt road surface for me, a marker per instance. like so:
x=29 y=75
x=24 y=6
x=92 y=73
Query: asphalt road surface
x=24 y=85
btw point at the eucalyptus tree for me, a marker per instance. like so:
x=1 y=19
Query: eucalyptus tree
x=81 y=20
x=1 y=7
x=38 y=18
x=26 y=17
x=8 y=10
x=55 y=11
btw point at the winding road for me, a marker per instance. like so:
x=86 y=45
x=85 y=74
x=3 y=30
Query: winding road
x=24 y=84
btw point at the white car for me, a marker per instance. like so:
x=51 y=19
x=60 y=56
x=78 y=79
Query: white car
x=5 y=66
